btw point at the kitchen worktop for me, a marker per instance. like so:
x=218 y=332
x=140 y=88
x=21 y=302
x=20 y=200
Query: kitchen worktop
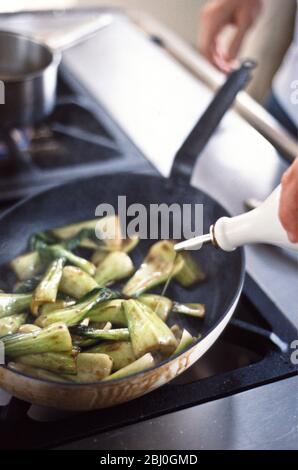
x=257 y=419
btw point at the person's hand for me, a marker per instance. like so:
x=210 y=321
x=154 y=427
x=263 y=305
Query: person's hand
x=288 y=208
x=215 y=16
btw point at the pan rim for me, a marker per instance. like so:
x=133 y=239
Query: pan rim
x=236 y=295
x=55 y=58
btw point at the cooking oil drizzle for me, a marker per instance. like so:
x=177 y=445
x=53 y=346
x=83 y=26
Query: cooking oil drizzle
x=171 y=274
x=168 y=281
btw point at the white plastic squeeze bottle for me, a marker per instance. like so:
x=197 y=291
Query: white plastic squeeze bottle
x=261 y=225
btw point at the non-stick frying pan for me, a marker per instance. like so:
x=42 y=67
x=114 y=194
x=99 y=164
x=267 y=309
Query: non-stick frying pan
x=77 y=201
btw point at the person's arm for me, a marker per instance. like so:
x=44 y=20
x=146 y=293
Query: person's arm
x=288 y=209
x=215 y=16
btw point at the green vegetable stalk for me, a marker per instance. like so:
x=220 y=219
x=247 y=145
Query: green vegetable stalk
x=76 y=313
x=69 y=231
x=127 y=245
x=27 y=266
x=160 y=263
x=110 y=311
x=147 y=331
x=28 y=286
x=141 y=364
x=91 y=368
x=14 y=303
x=58 y=305
x=121 y=353
x=159 y=304
x=35 y=372
x=48 y=253
x=58 y=362
x=55 y=338
x=194 y=310
x=186 y=340
x=28 y=328
x=116 y=266
x=76 y=282
x=108 y=226
x=99 y=256
x=47 y=289
x=121 y=334
x=11 y=324
x=191 y=273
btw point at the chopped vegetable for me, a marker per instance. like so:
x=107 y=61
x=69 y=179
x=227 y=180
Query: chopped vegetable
x=159 y=304
x=108 y=227
x=48 y=253
x=58 y=362
x=190 y=273
x=116 y=265
x=27 y=286
x=55 y=338
x=177 y=331
x=121 y=334
x=69 y=231
x=98 y=256
x=9 y=325
x=83 y=237
x=141 y=364
x=185 y=341
x=194 y=310
x=76 y=313
x=111 y=311
x=47 y=289
x=160 y=263
x=27 y=266
x=35 y=372
x=58 y=305
x=147 y=331
x=76 y=282
x=14 y=303
x=28 y=328
x=91 y=367
x=121 y=353
x=128 y=244
x=84 y=331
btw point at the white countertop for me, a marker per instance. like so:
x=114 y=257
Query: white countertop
x=157 y=102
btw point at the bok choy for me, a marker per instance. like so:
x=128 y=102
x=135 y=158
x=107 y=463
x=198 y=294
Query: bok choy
x=160 y=263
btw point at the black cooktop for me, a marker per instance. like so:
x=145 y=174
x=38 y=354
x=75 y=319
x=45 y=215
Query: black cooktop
x=78 y=139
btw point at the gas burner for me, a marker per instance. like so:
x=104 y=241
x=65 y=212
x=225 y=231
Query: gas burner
x=77 y=140
x=60 y=140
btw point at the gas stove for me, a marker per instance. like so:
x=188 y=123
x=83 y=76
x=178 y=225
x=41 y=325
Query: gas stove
x=240 y=394
x=79 y=138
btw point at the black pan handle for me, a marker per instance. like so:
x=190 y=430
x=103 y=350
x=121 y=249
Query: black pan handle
x=186 y=156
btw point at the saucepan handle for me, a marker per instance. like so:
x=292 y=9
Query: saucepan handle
x=59 y=41
x=186 y=156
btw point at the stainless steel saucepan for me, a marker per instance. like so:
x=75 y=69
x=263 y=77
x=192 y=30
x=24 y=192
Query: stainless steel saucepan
x=28 y=69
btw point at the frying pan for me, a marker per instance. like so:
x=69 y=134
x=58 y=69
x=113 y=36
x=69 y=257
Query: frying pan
x=77 y=201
